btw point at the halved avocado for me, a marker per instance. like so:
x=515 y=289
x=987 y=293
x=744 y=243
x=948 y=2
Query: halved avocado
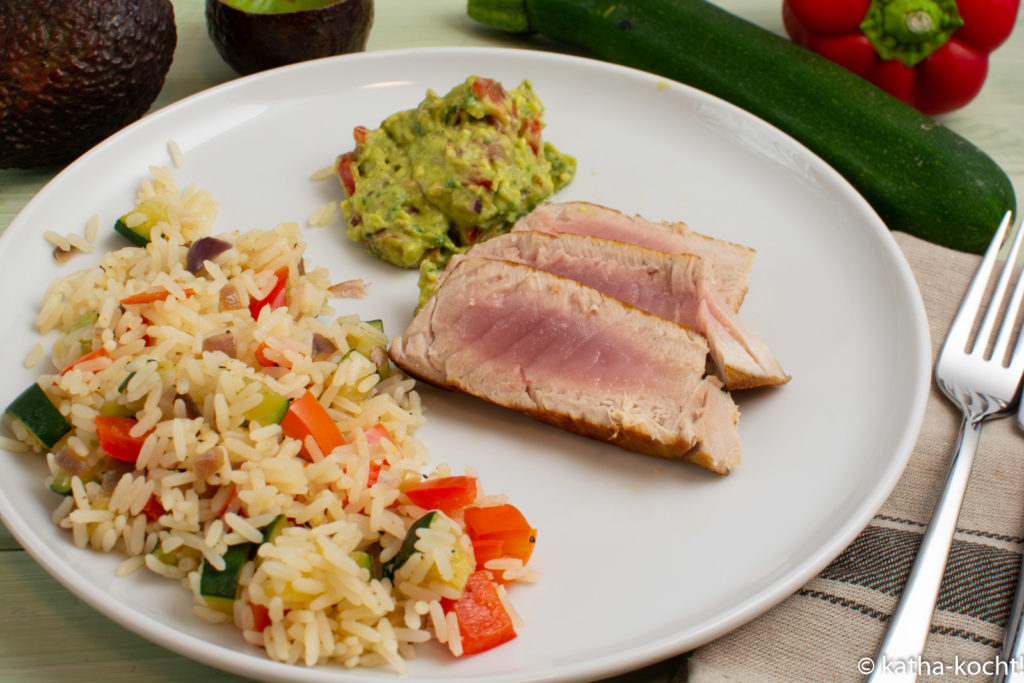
x=254 y=35
x=75 y=71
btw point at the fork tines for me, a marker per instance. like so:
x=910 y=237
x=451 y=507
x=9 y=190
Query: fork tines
x=982 y=342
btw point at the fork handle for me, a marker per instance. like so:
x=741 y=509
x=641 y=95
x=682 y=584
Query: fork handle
x=899 y=656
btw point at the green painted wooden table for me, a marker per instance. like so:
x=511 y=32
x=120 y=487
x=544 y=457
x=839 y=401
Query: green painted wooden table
x=47 y=634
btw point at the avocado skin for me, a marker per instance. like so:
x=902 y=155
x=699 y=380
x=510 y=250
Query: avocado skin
x=251 y=42
x=72 y=72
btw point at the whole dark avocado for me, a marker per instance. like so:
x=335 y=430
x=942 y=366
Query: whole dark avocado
x=72 y=72
x=255 y=35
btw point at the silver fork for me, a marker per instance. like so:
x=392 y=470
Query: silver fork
x=1011 y=666
x=982 y=385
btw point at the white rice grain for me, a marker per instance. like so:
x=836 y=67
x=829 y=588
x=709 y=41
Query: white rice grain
x=131 y=564
x=454 y=634
x=323 y=173
x=92 y=228
x=33 y=357
x=177 y=158
x=58 y=240
x=323 y=215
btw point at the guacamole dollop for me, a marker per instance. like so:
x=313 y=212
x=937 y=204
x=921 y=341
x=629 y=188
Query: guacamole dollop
x=434 y=180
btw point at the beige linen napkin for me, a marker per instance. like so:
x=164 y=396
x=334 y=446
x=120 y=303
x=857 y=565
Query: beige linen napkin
x=824 y=630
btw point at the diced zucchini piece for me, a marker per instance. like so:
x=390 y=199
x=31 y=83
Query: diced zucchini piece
x=115 y=409
x=269 y=411
x=139 y=234
x=364 y=560
x=369 y=335
x=86 y=319
x=274 y=529
x=61 y=482
x=36 y=412
x=409 y=544
x=124 y=385
x=164 y=556
x=219 y=588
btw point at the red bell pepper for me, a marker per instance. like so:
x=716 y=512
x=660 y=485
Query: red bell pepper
x=92 y=355
x=261 y=356
x=932 y=54
x=374 y=474
x=275 y=299
x=345 y=168
x=151 y=296
x=499 y=531
x=443 y=493
x=260 y=617
x=373 y=435
x=483 y=621
x=153 y=509
x=306 y=416
x=115 y=438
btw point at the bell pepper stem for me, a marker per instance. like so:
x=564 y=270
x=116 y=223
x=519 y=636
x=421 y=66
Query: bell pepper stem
x=910 y=30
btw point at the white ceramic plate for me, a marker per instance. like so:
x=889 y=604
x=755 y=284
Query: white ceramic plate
x=642 y=558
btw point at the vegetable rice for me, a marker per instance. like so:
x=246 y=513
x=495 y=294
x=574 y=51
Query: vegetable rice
x=191 y=396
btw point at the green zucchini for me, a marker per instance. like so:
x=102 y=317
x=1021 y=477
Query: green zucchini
x=219 y=588
x=60 y=482
x=139 y=234
x=918 y=175
x=369 y=336
x=274 y=529
x=364 y=560
x=33 y=409
x=269 y=411
x=409 y=544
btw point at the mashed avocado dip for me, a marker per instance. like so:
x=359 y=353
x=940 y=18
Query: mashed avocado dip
x=458 y=169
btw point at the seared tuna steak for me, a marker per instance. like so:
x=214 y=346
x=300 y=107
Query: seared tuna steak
x=730 y=263
x=569 y=355
x=674 y=286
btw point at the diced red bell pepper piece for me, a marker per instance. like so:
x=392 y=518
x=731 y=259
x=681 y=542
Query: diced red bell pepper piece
x=532 y=128
x=483 y=621
x=374 y=475
x=346 y=174
x=260 y=617
x=261 y=356
x=490 y=91
x=115 y=437
x=378 y=432
x=499 y=531
x=373 y=435
x=275 y=299
x=227 y=503
x=153 y=509
x=152 y=296
x=446 y=494
x=494 y=96
x=307 y=417
x=92 y=355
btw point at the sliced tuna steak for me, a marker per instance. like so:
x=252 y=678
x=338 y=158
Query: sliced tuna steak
x=674 y=286
x=569 y=355
x=730 y=263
